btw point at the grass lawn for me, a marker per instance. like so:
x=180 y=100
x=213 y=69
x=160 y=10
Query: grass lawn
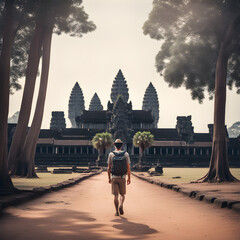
x=189 y=174
x=45 y=179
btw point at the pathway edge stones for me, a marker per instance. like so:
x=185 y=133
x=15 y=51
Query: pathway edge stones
x=195 y=194
x=27 y=195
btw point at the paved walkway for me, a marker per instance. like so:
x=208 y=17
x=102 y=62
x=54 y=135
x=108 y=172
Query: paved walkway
x=86 y=211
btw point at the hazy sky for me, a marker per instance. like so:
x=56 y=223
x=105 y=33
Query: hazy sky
x=118 y=43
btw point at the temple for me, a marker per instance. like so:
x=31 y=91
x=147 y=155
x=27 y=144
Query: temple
x=179 y=146
x=119 y=118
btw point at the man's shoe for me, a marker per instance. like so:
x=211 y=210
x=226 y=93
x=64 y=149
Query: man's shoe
x=121 y=210
x=116 y=214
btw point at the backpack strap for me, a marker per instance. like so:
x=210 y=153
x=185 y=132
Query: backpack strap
x=119 y=154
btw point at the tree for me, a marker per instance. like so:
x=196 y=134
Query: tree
x=101 y=142
x=7 y=39
x=23 y=28
x=15 y=165
x=143 y=140
x=58 y=16
x=200 y=42
x=11 y=18
x=28 y=154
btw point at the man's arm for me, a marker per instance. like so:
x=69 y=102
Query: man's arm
x=109 y=173
x=109 y=167
x=128 y=173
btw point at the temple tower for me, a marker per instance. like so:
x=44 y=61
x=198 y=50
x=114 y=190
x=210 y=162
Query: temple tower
x=58 y=121
x=119 y=87
x=120 y=124
x=185 y=128
x=150 y=102
x=95 y=104
x=76 y=104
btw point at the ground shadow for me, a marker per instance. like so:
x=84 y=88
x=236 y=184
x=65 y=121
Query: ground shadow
x=60 y=224
x=133 y=229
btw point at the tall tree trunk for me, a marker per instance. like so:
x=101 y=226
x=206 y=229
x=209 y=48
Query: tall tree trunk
x=219 y=168
x=28 y=154
x=8 y=36
x=21 y=130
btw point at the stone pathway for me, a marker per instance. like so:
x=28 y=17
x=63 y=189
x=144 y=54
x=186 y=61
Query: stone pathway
x=86 y=211
x=221 y=194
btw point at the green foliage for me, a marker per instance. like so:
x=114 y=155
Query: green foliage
x=68 y=17
x=23 y=28
x=191 y=32
x=102 y=141
x=72 y=19
x=143 y=139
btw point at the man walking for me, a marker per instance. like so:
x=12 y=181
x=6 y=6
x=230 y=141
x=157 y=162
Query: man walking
x=119 y=166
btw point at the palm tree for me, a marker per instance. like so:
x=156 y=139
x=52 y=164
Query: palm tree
x=143 y=140
x=102 y=141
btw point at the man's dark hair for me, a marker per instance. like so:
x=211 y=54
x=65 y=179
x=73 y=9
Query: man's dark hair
x=118 y=145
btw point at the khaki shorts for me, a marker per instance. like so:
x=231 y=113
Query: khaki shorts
x=118 y=186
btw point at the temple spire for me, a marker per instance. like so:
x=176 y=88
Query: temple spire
x=150 y=102
x=76 y=104
x=119 y=87
x=120 y=120
x=95 y=104
x=58 y=121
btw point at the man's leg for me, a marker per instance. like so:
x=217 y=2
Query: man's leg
x=122 y=198
x=116 y=203
x=122 y=190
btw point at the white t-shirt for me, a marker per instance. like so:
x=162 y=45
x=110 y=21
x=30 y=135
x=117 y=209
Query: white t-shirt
x=110 y=158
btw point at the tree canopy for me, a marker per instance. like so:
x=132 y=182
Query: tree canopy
x=102 y=141
x=69 y=18
x=143 y=140
x=191 y=32
x=23 y=28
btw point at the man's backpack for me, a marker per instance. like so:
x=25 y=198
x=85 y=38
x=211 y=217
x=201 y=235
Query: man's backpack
x=119 y=164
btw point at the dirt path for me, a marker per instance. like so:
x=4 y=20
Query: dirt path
x=86 y=211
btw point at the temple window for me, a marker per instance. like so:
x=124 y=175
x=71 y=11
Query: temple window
x=44 y=150
x=191 y=151
x=164 y=151
x=151 y=150
x=204 y=151
x=60 y=150
x=90 y=150
x=38 y=150
x=182 y=151
x=72 y=150
x=50 y=149
x=157 y=150
x=175 y=151
x=170 y=150
x=65 y=150
x=78 y=150
x=197 y=151
x=84 y=149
